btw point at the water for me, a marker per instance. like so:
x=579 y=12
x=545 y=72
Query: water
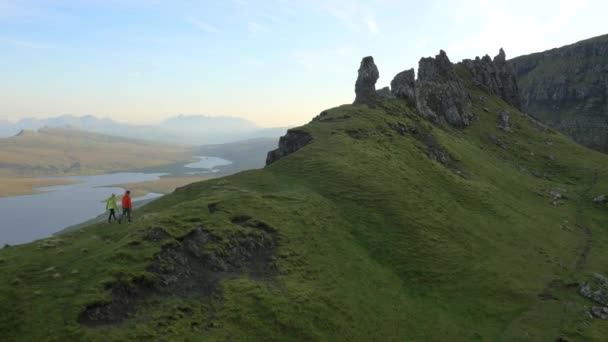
x=27 y=218
x=31 y=217
x=209 y=163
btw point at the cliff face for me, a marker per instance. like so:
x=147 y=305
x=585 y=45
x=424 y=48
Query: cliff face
x=567 y=88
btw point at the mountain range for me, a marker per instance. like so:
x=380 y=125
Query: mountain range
x=432 y=210
x=181 y=129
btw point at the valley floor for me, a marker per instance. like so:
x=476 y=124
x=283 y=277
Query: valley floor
x=16 y=186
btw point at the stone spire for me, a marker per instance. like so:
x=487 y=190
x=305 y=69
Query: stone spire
x=365 y=87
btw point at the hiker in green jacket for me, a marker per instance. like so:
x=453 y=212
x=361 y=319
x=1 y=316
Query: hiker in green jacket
x=111 y=206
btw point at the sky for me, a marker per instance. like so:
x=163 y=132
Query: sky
x=274 y=62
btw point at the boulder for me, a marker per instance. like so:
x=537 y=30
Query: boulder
x=503 y=121
x=365 y=87
x=599 y=294
x=600 y=199
x=403 y=86
x=556 y=194
x=600 y=312
x=440 y=93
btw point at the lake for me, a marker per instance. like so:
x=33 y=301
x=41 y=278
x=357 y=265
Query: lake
x=208 y=163
x=31 y=217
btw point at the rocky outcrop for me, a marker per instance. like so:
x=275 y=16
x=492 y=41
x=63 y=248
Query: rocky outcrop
x=597 y=291
x=601 y=199
x=496 y=76
x=385 y=93
x=567 y=88
x=365 y=87
x=440 y=93
x=504 y=120
x=403 y=86
x=288 y=144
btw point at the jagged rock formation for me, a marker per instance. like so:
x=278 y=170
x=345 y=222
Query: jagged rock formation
x=441 y=94
x=288 y=144
x=403 y=86
x=567 y=88
x=365 y=87
x=438 y=94
x=496 y=76
x=385 y=93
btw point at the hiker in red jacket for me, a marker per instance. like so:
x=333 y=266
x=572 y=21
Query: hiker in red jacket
x=126 y=206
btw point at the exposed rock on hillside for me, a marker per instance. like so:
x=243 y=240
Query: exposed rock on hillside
x=403 y=85
x=496 y=76
x=288 y=144
x=365 y=87
x=597 y=291
x=567 y=88
x=504 y=121
x=440 y=94
x=193 y=265
x=600 y=199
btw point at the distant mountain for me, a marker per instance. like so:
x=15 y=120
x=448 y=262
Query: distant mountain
x=195 y=122
x=7 y=128
x=567 y=88
x=197 y=129
x=181 y=129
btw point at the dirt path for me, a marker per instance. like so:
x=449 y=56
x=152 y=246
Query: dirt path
x=556 y=302
x=581 y=262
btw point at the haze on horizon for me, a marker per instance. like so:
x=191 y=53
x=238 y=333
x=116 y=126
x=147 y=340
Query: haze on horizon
x=275 y=62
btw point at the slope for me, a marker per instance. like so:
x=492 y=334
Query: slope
x=384 y=226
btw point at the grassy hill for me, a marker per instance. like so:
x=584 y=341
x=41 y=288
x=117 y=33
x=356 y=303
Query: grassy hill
x=56 y=151
x=385 y=227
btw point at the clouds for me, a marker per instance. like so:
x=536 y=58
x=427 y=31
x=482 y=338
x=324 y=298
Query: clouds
x=24 y=43
x=255 y=27
x=372 y=27
x=356 y=16
x=205 y=26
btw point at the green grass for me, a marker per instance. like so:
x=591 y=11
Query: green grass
x=375 y=241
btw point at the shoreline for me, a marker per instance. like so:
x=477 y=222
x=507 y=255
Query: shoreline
x=24 y=186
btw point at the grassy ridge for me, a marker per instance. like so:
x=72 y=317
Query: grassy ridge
x=373 y=240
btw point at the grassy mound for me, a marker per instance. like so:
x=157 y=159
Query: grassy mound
x=384 y=227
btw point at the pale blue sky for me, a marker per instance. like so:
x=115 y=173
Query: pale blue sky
x=275 y=62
